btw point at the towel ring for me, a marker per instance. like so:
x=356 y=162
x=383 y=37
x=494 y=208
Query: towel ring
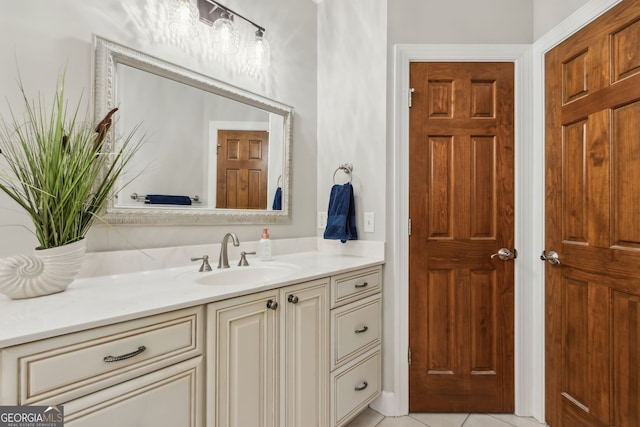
x=279 y=182
x=346 y=168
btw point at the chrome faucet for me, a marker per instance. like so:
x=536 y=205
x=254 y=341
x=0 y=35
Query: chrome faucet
x=205 y=263
x=223 y=260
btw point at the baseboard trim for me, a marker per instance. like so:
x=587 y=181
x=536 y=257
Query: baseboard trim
x=386 y=405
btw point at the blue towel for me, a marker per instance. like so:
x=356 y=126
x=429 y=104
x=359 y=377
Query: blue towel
x=163 y=199
x=277 y=200
x=341 y=218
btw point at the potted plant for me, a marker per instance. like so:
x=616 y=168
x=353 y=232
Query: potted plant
x=61 y=170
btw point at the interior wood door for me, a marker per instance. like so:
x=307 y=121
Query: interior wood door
x=592 y=222
x=461 y=204
x=243 y=169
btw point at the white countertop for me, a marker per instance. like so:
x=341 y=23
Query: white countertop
x=102 y=300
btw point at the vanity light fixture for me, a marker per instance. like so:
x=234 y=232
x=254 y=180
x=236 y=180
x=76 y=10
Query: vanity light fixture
x=184 y=19
x=260 y=53
x=226 y=37
x=225 y=34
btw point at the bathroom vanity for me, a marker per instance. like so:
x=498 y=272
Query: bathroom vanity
x=298 y=346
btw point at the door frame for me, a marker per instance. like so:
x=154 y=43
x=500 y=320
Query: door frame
x=517 y=54
x=529 y=204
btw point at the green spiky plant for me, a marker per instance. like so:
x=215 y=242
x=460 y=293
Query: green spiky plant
x=58 y=168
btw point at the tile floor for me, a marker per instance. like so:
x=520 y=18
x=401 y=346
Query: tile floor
x=371 y=418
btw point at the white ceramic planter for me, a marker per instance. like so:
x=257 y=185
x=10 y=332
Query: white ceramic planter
x=47 y=271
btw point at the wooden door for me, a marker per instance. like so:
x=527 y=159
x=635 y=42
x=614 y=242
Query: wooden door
x=593 y=223
x=243 y=169
x=306 y=354
x=243 y=362
x=461 y=300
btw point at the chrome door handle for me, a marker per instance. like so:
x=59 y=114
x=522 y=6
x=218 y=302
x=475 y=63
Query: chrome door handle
x=552 y=257
x=505 y=254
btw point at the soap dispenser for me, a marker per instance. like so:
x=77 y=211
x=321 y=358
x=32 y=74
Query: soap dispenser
x=265 y=246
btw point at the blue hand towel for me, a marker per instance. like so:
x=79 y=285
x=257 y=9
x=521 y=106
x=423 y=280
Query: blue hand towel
x=277 y=200
x=341 y=218
x=163 y=199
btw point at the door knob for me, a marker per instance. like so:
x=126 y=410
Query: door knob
x=272 y=305
x=552 y=257
x=505 y=254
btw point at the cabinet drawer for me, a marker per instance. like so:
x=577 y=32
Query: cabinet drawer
x=349 y=287
x=171 y=396
x=69 y=366
x=354 y=387
x=355 y=328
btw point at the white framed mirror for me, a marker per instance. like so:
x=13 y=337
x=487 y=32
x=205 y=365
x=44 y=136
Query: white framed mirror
x=214 y=153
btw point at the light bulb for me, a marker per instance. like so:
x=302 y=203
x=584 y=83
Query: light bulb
x=260 y=54
x=225 y=35
x=184 y=19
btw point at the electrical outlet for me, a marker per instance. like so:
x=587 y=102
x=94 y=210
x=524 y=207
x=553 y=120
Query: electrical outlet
x=322 y=220
x=369 y=222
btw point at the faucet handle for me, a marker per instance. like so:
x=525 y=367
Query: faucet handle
x=243 y=258
x=205 y=263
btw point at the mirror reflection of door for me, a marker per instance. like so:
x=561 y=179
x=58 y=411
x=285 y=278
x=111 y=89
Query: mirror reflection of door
x=243 y=162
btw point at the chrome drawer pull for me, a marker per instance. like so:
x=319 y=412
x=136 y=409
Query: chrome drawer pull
x=362 y=386
x=361 y=330
x=362 y=285
x=125 y=356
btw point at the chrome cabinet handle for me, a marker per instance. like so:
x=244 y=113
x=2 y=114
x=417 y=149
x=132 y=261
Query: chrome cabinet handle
x=125 y=356
x=361 y=330
x=552 y=257
x=362 y=386
x=293 y=299
x=272 y=305
x=362 y=285
x=505 y=254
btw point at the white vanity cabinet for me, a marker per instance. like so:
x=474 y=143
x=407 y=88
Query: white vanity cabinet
x=302 y=355
x=267 y=359
x=356 y=329
x=137 y=373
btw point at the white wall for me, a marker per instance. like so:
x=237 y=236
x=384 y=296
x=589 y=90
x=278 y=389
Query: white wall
x=352 y=80
x=549 y=13
x=42 y=37
x=460 y=22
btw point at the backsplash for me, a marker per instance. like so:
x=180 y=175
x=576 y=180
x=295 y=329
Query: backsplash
x=130 y=261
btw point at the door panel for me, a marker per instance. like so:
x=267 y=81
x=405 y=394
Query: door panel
x=242 y=165
x=461 y=209
x=592 y=209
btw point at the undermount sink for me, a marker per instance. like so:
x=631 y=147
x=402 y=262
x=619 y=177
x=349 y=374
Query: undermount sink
x=244 y=275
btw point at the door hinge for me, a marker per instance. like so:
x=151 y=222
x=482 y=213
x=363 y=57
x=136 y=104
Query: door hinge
x=409 y=355
x=409 y=229
x=411 y=90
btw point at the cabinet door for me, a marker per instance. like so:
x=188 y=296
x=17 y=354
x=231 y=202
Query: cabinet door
x=305 y=362
x=169 y=397
x=242 y=364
